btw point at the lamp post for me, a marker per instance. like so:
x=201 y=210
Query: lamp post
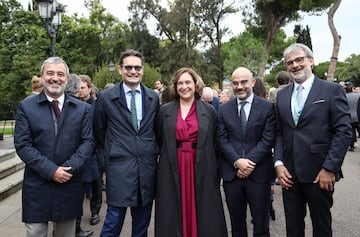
x=50 y=14
x=112 y=70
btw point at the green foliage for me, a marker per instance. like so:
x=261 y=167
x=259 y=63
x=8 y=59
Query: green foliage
x=243 y=51
x=351 y=70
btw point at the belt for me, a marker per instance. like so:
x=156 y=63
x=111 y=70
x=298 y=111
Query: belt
x=180 y=144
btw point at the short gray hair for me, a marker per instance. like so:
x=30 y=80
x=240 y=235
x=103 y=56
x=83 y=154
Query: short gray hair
x=296 y=48
x=55 y=60
x=73 y=85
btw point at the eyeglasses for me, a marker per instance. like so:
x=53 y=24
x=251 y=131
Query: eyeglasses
x=243 y=82
x=298 y=60
x=130 y=67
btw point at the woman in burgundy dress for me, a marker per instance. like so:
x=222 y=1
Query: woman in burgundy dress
x=188 y=200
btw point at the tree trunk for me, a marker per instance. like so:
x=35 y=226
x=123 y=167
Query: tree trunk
x=337 y=39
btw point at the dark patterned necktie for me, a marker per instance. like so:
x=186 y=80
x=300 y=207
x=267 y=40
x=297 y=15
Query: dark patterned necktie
x=243 y=117
x=133 y=110
x=56 y=108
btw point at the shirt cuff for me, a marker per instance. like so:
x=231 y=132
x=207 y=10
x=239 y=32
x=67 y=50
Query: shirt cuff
x=278 y=163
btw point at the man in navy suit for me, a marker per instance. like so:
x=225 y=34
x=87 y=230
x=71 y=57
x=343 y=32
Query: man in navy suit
x=313 y=134
x=124 y=119
x=245 y=139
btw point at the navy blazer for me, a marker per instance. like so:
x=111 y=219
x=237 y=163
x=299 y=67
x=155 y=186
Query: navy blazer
x=43 y=151
x=322 y=135
x=257 y=142
x=131 y=156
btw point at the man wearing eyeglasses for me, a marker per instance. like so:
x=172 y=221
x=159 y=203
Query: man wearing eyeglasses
x=245 y=137
x=313 y=134
x=124 y=127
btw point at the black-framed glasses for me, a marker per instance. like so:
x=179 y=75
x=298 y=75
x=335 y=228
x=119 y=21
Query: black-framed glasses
x=242 y=82
x=131 y=67
x=298 y=60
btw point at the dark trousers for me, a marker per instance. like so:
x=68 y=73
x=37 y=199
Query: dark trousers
x=241 y=192
x=115 y=217
x=319 y=201
x=96 y=196
x=354 y=126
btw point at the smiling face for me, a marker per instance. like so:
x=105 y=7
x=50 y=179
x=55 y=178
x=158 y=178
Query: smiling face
x=185 y=87
x=299 y=66
x=131 y=71
x=242 y=83
x=54 y=79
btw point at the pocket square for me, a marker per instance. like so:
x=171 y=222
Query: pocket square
x=318 y=101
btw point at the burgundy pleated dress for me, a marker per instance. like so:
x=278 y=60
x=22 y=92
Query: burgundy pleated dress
x=186 y=135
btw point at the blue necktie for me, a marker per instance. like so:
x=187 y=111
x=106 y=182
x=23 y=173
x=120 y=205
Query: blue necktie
x=243 y=117
x=133 y=110
x=299 y=96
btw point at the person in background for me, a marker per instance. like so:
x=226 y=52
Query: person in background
x=124 y=125
x=245 y=138
x=312 y=138
x=72 y=88
x=208 y=97
x=226 y=94
x=260 y=90
x=283 y=80
x=352 y=98
x=36 y=85
x=167 y=95
x=109 y=85
x=94 y=92
x=159 y=88
x=53 y=136
x=188 y=200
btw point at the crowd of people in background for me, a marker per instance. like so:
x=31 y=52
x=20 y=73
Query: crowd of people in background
x=176 y=146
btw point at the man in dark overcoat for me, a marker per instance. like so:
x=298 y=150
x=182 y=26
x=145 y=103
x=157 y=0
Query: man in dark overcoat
x=126 y=134
x=54 y=143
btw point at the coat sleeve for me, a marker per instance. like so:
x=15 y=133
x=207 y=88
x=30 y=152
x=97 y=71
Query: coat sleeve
x=23 y=141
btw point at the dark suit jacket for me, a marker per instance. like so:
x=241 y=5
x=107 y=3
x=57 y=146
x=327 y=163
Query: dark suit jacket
x=43 y=151
x=256 y=144
x=210 y=214
x=130 y=155
x=322 y=135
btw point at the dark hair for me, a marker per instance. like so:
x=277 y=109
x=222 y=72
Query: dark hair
x=199 y=84
x=283 y=78
x=259 y=88
x=130 y=52
x=167 y=95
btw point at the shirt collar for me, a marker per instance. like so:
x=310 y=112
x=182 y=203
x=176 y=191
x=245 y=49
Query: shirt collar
x=306 y=84
x=127 y=89
x=61 y=99
x=249 y=99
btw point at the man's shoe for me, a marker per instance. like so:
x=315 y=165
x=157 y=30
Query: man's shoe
x=84 y=233
x=95 y=219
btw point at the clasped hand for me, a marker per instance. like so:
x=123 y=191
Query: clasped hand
x=62 y=174
x=245 y=167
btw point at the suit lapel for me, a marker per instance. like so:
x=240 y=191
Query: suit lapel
x=312 y=96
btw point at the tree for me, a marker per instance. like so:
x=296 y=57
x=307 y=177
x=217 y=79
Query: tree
x=303 y=35
x=267 y=17
x=336 y=37
x=244 y=50
x=186 y=24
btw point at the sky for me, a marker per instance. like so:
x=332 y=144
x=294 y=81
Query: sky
x=345 y=19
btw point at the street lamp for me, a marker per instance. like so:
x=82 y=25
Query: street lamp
x=112 y=70
x=50 y=14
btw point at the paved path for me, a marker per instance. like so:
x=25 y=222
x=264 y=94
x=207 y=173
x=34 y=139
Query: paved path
x=346 y=209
